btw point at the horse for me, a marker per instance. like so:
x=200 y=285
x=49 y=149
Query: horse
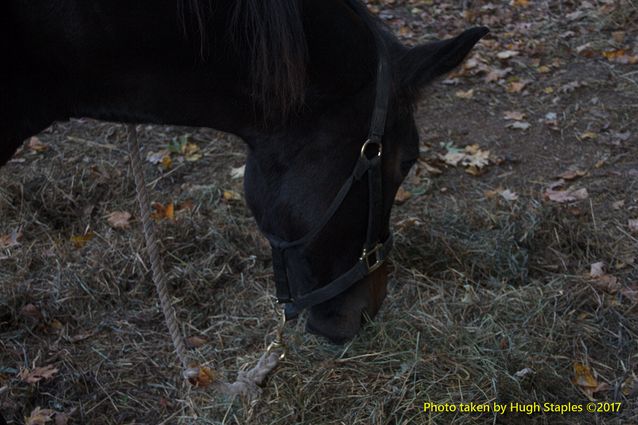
x=320 y=90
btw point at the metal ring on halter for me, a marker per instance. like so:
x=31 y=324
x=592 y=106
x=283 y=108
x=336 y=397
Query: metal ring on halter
x=368 y=143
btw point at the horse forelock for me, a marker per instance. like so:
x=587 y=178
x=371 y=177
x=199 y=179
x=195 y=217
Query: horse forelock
x=269 y=36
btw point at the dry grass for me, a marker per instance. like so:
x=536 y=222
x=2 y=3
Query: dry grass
x=481 y=288
x=481 y=291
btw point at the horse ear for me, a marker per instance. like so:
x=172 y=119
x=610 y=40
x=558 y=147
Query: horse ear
x=422 y=64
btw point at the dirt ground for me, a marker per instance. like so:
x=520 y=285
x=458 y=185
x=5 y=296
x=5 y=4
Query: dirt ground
x=497 y=292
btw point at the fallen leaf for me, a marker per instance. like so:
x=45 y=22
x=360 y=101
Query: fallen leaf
x=206 y=377
x=516 y=86
x=82 y=336
x=497 y=74
x=230 y=195
x=163 y=211
x=61 y=418
x=633 y=225
x=430 y=169
x=618 y=204
x=597 y=269
x=514 y=115
x=31 y=311
x=508 y=195
x=35 y=145
x=620 y=56
x=519 y=125
x=475 y=157
x=191 y=152
x=195 y=341
x=10 y=240
x=630 y=293
x=167 y=162
x=572 y=174
x=588 y=135
x=39 y=416
x=465 y=94
x=55 y=326
x=36 y=375
x=544 y=69
x=569 y=195
x=119 y=219
x=80 y=240
x=402 y=196
x=238 y=173
x=584 y=379
x=506 y=54
x=524 y=372
x=586 y=50
x=618 y=36
x=187 y=205
x=158 y=157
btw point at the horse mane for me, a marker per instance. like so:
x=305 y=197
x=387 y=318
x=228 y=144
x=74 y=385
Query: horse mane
x=270 y=36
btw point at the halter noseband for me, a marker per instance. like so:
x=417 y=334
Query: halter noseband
x=375 y=251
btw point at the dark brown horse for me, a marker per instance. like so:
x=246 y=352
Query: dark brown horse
x=304 y=82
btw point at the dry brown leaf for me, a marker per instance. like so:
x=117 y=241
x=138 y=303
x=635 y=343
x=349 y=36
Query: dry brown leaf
x=514 y=115
x=119 y=219
x=584 y=379
x=163 y=212
x=516 y=86
x=586 y=50
x=620 y=56
x=167 y=162
x=630 y=293
x=191 y=152
x=39 y=416
x=430 y=169
x=10 y=240
x=36 y=375
x=568 y=195
x=195 y=341
x=572 y=174
x=187 y=205
x=31 y=311
x=61 y=419
x=588 y=135
x=80 y=240
x=206 y=377
x=465 y=94
x=402 y=196
x=231 y=195
x=35 y=145
x=544 y=69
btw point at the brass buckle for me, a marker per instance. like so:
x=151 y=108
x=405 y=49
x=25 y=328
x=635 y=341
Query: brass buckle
x=373 y=253
x=369 y=143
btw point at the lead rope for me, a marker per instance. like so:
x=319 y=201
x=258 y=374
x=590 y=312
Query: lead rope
x=247 y=381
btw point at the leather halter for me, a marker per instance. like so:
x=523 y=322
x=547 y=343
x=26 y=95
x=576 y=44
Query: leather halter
x=375 y=251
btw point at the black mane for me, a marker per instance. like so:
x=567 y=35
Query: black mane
x=270 y=36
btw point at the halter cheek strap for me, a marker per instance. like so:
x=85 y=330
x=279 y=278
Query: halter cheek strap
x=375 y=251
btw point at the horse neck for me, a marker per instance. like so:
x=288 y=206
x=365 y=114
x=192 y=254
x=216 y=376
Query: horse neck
x=133 y=64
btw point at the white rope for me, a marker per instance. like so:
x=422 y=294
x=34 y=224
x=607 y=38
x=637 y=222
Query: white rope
x=247 y=383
